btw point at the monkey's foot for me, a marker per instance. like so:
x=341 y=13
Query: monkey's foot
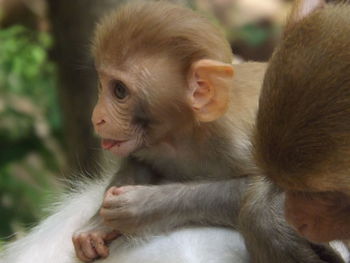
x=93 y=245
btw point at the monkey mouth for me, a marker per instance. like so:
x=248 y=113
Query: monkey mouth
x=108 y=144
x=121 y=148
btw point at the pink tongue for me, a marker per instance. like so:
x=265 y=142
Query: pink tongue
x=107 y=143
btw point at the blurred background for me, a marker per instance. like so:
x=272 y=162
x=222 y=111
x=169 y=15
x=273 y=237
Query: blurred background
x=48 y=89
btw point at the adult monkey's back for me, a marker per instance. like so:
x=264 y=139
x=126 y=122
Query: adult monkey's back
x=169 y=102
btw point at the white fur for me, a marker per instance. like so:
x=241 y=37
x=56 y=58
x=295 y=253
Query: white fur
x=192 y=245
x=341 y=248
x=50 y=241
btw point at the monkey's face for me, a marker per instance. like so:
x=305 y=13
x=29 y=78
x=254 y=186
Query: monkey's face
x=139 y=104
x=320 y=217
x=112 y=119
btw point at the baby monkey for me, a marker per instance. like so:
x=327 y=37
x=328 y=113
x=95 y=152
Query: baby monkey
x=302 y=140
x=169 y=103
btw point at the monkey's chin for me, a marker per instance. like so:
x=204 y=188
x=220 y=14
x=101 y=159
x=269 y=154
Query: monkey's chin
x=120 y=148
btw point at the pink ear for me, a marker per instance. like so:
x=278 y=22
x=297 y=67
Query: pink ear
x=210 y=83
x=303 y=8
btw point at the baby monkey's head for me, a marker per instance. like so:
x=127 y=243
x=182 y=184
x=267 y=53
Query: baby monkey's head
x=163 y=70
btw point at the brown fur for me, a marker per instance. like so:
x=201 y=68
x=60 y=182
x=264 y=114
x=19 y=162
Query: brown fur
x=302 y=137
x=303 y=121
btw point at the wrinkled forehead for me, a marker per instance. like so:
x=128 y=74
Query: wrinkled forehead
x=136 y=62
x=142 y=74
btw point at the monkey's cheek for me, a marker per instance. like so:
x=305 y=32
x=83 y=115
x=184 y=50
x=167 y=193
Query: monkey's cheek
x=318 y=232
x=125 y=148
x=302 y=226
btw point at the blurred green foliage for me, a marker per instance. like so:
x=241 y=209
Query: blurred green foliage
x=29 y=126
x=253 y=34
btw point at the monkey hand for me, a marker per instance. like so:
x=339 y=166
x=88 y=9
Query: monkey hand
x=129 y=209
x=92 y=244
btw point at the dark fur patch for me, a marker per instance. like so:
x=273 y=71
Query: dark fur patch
x=141 y=115
x=326 y=254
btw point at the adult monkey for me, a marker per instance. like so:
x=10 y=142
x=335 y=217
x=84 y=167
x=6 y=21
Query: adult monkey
x=165 y=82
x=303 y=130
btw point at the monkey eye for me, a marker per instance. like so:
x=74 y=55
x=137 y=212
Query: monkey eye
x=119 y=90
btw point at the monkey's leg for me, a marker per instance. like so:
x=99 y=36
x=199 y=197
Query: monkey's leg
x=267 y=235
x=186 y=245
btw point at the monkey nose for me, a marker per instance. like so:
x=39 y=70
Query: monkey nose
x=100 y=122
x=97 y=121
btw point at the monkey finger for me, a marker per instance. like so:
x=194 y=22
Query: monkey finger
x=125 y=188
x=115 y=191
x=118 y=190
x=100 y=247
x=78 y=250
x=88 y=249
x=113 y=201
x=112 y=191
x=80 y=255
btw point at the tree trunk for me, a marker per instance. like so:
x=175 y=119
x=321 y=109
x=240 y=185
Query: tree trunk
x=72 y=25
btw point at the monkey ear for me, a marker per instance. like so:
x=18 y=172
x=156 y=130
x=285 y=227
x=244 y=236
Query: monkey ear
x=210 y=83
x=303 y=8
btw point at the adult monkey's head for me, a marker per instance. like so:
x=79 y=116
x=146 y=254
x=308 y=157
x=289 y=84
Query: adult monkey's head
x=302 y=139
x=163 y=70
